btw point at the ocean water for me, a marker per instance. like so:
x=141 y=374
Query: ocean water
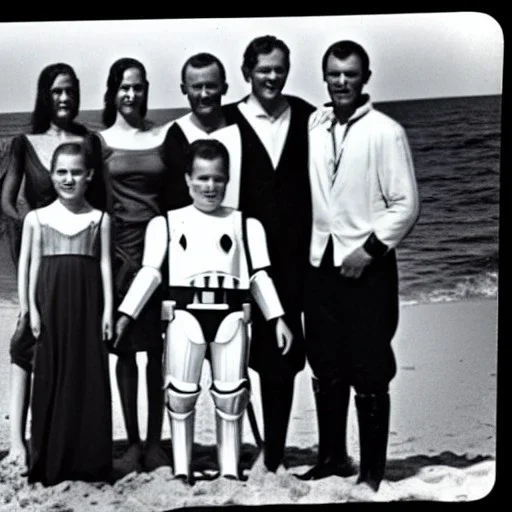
x=452 y=251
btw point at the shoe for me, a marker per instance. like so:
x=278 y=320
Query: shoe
x=154 y=457
x=129 y=461
x=186 y=479
x=332 y=400
x=329 y=468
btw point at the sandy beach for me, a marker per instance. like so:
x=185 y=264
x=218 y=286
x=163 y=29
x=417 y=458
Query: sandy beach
x=442 y=444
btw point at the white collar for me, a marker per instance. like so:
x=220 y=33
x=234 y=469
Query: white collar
x=325 y=115
x=189 y=127
x=254 y=107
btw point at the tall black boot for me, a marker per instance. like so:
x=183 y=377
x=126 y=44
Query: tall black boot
x=373 y=420
x=276 y=400
x=332 y=400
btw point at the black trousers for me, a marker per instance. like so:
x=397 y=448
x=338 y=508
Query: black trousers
x=350 y=323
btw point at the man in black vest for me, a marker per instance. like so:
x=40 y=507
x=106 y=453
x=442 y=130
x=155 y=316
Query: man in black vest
x=274 y=188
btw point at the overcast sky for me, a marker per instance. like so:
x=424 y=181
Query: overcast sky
x=412 y=55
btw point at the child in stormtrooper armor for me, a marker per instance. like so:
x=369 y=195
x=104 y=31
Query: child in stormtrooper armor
x=217 y=264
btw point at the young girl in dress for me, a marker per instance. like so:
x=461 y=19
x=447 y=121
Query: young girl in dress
x=65 y=258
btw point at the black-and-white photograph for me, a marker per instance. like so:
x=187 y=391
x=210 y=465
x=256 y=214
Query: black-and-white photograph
x=249 y=261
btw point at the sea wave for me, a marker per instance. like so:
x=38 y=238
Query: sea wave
x=474 y=287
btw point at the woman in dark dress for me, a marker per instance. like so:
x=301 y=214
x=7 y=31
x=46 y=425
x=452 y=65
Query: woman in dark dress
x=65 y=259
x=53 y=122
x=132 y=152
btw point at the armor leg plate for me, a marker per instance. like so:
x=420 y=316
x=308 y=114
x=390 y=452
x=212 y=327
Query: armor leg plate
x=185 y=348
x=229 y=352
x=229 y=410
x=181 y=408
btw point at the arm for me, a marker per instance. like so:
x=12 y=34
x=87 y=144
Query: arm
x=399 y=191
x=12 y=180
x=106 y=277
x=262 y=286
x=148 y=278
x=35 y=262
x=24 y=264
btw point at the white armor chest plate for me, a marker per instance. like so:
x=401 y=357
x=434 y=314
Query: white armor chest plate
x=206 y=251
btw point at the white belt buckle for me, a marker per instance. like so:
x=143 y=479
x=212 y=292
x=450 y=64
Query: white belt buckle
x=207 y=297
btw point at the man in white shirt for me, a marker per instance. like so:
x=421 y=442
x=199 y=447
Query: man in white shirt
x=274 y=188
x=365 y=201
x=203 y=82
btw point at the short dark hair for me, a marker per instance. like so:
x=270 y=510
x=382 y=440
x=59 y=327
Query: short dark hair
x=43 y=109
x=115 y=77
x=209 y=149
x=203 y=60
x=344 y=49
x=263 y=45
x=73 y=148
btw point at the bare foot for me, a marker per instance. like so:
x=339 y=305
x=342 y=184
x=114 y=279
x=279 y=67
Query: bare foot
x=16 y=461
x=154 y=457
x=129 y=461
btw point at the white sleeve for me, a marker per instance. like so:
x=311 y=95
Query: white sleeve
x=149 y=277
x=265 y=295
x=155 y=242
x=399 y=188
x=262 y=287
x=257 y=244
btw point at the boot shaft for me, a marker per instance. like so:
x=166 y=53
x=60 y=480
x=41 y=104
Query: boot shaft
x=373 y=412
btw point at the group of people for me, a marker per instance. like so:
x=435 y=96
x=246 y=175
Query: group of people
x=254 y=234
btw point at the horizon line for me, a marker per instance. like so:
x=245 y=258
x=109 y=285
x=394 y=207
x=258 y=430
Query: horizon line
x=374 y=102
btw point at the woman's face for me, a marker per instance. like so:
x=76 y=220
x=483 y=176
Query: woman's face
x=131 y=93
x=64 y=99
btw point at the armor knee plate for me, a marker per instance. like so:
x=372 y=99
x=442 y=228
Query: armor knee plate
x=180 y=402
x=231 y=405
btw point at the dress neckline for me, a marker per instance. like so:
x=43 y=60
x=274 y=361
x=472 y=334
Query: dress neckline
x=91 y=225
x=34 y=154
x=131 y=150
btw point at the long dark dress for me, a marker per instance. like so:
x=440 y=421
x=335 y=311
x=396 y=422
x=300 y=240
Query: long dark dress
x=71 y=428
x=136 y=181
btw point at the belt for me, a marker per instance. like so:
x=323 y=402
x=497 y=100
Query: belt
x=200 y=298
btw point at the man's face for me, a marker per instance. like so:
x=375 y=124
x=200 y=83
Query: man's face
x=204 y=89
x=269 y=75
x=207 y=183
x=345 y=80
